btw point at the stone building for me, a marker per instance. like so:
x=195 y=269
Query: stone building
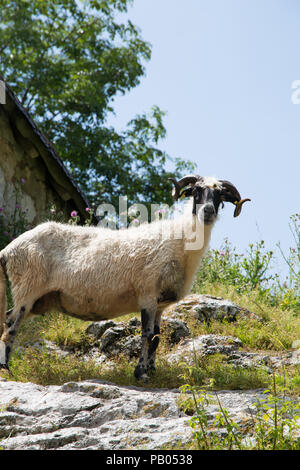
x=31 y=172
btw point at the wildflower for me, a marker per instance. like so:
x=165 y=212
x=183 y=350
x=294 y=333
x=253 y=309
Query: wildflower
x=23 y=180
x=52 y=211
x=222 y=253
x=73 y=214
x=132 y=211
x=18 y=206
x=1 y=209
x=87 y=209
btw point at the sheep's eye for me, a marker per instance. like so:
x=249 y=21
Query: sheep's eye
x=196 y=191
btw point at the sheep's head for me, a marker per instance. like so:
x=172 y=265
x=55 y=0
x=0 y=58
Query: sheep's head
x=208 y=193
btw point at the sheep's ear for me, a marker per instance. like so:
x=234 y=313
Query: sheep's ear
x=186 y=193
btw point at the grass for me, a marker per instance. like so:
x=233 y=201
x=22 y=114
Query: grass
x=278 y=330
x=274 y=422
x=45 y=368
x=49 y=369
x=67 y=332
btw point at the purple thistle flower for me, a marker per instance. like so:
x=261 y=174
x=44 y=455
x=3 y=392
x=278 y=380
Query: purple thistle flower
x=1 y=209
x=18 y=206
x=23 y=180
x=87 y=209
x=73 y=214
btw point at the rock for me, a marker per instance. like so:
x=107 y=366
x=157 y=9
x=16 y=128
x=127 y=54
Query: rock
x=174 y=329
x=110 y=340
x=97 y=415
x=125 y=337
x=51 y=347
x=114 y=338
x=269 y=360
x=89 y=415
x=131 y=346
x=98 y=328
x=204 y=345
x=207 y=308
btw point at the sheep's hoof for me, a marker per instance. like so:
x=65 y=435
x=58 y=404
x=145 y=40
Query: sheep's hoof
x=140 y=374
x=145 y=378
x=4 y=367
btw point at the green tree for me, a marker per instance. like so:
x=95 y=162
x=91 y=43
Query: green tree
x=67 y=60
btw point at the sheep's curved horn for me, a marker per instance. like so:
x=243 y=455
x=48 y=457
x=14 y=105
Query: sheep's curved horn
x=231 y=189
x=231 y=194
x=178 y=185
x=238 y=207
x=176 y=189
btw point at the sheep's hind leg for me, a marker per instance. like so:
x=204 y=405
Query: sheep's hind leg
x=147 y=343
x=8 y=336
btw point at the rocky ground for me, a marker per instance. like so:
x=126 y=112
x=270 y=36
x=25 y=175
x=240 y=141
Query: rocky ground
x=98 y=415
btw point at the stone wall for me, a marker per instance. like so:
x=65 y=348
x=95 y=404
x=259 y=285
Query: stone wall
x=23 y=176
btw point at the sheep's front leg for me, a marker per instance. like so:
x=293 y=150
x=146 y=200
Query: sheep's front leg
x=148 y=317
x=154 y=343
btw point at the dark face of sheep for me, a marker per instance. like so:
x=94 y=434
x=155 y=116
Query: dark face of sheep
x=208 y=193
x=206 y=202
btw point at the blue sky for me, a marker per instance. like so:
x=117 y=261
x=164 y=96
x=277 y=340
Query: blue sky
x=223 y=71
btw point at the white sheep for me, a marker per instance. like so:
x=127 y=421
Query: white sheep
x=96 y=273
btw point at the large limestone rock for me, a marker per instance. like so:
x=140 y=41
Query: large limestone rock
x=98 y=415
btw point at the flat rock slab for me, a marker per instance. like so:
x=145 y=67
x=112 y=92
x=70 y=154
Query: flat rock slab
x=99 y=415
x=205 y=345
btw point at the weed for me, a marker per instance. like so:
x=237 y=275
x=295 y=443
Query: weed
x=275 y=421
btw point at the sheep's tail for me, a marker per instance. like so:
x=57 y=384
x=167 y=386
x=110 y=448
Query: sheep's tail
x=3 y=284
